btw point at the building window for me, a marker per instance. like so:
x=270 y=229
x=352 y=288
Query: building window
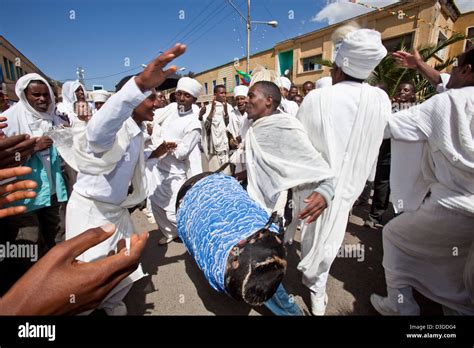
x=11 y=68
x=237 y=80
x=7 y=69
x=214 y=84
x=470 y=38
x=2 y=78
x=311 y=63
x=396 y=43
x=206 y=88
x=442 y=53
x=224 y=82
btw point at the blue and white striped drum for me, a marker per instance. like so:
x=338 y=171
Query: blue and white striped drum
x=215 y=214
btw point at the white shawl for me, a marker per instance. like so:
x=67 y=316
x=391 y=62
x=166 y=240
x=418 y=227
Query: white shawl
x=279 y=157
x=362 y=151
x=72 y=145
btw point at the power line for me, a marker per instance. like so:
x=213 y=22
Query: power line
x=212 y=27
x=185 y=28
x=214 y=14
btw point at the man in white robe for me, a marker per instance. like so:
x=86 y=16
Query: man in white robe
x=178 y=124
x=346 y=123
x=430 y=247
x=239 y=127
x=216 y=139
x=109 y=156
x=280 y=157
x=287 y=106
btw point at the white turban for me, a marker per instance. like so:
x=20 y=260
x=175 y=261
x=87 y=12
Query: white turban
x=241 y=91
x=189 y=85
x=100 y=96
x=324 y=82
x=360 y=52
x=284 y=82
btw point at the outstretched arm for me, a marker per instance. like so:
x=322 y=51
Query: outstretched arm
x=414 y=61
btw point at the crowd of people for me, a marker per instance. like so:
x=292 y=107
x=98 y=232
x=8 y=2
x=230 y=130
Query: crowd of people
x=71 y=173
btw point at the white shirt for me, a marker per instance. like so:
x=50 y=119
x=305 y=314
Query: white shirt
x=184 y=129
x=101 y=132
x=442 y=174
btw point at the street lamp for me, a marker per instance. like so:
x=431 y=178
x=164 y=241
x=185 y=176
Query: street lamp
x=249 y=22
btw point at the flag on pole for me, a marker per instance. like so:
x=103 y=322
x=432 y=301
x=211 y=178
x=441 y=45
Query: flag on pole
x=244 y=77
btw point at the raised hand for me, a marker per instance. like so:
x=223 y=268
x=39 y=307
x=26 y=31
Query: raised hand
x=154 y=74
x=408 y=60
x=50 y=285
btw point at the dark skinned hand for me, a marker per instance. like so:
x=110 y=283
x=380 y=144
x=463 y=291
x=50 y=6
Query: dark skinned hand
x=154 y=75
x=48 y=287
x=315 y=207
x=16 y=150
x=15 y=191
x=43 y=143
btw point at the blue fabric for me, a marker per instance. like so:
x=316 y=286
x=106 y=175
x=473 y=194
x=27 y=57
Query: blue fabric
x=40 y=176
x=282 y=304
x=215 y=214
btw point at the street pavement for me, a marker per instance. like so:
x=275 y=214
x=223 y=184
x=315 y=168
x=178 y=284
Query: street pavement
x=176 y=286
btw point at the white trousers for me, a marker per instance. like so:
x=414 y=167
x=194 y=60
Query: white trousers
x=166 y=221
x=82 y=214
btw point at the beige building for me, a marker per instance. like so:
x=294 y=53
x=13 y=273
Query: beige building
x=226 y=74
x=299 y=55
x=13 y=65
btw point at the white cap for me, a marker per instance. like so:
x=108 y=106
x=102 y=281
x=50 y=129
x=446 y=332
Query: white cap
x=100 y=96
x=284 y=82
x=241 y=91
x=189 y=85
x=324 y=82
x=360 y=52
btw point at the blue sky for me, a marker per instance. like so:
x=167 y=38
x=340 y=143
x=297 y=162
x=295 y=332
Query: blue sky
x=108 y=37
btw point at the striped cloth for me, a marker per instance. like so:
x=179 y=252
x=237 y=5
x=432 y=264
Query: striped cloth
x=215 y=214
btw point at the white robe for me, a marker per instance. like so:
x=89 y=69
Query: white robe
x=102 y=166
x=431 y=247
x=346 y=124
x=216 y=145
x=173 y=169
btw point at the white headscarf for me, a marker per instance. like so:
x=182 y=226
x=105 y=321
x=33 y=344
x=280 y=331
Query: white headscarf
x=20 y=88
x=360 y=52
x=69 y=92
x=189 y=85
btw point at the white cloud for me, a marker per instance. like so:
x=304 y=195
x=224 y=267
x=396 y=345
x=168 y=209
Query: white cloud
x=339 y=10
x=465 y=5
